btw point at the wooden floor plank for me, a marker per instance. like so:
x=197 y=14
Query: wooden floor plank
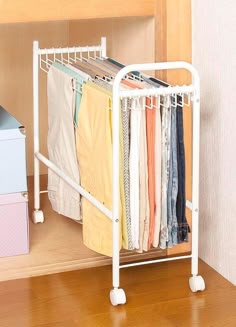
x=157 y=295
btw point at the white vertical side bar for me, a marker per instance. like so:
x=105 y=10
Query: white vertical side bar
x=36 y=123
x=195 y=172
x=104 y=47
x=115 y=183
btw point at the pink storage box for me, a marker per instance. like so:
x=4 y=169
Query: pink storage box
x=14 y=224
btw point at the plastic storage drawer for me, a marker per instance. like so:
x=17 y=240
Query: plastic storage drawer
x=14 y=224
x=12 y=155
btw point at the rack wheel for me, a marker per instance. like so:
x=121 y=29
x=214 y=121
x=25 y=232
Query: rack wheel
x=38 y=217
x=117 y=296
x=196 y=283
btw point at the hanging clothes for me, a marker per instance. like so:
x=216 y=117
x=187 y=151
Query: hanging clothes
x=89 y=69
x=79 y=80
x=86 y=77
x=135 y=125
x=104 y=68
x=157 y=172
x=125 y=112
x=152 y=160
x=119 y=65
x=94 y=150
x=78 y=75
x=183 y=227
x=166 y=129
x=144 y=215
x=61 y=142
x=172 y=190
x=150 y=119
x=149 y=223
x=126 y=229
x=153 y=129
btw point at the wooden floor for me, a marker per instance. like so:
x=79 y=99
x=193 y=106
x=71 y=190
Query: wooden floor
x=157 y=295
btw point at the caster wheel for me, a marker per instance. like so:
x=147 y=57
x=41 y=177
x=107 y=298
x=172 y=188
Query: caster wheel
x=117 y=296
x=38 y=217
x=196 y=283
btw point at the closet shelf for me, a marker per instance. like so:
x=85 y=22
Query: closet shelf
x=27 y=11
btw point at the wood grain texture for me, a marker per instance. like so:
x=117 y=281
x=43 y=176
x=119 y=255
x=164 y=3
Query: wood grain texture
x=129 y=40
x=157 y=295
x=29 y=11
x=161 y=36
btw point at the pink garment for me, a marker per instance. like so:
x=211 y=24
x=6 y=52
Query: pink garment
x=150 y=121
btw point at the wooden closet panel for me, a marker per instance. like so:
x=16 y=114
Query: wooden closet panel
x=16 y=74
x=129 y=40
x=44 y=10
x=173 y=43
x=161 y=36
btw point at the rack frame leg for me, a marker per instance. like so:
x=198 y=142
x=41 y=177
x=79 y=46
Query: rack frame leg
x=117 y=295
x=38 y=216
x=195 y=227
x=36 y=185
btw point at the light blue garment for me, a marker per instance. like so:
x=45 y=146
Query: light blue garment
x=79 y=82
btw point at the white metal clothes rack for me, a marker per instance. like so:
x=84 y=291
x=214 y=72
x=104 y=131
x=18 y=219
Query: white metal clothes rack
x=40 y=57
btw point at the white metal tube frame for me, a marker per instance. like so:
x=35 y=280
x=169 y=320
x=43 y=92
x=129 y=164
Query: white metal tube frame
x=194 y=88
x=37 y=155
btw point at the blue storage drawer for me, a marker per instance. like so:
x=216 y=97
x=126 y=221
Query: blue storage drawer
x=12 y=155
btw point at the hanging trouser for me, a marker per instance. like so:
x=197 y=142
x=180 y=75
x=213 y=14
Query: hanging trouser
x=61 y=143
x=183 y=227
x=135 y=124
x=165 y=170
x=143 y=181
x=172 y=190
x=125 y=113
x=124 y=150
x=94 y=151
x=157 y=225
x=151 y=124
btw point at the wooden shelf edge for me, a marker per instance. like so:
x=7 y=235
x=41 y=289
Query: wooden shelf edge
x=27 y=11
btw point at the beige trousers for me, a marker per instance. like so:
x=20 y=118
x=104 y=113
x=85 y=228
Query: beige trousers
x=61 y=143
